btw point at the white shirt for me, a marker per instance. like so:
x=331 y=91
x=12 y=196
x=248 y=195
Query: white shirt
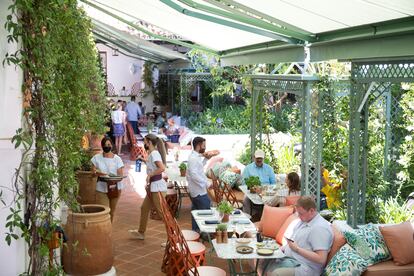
x=159 y=185
x=108 y=166
x=118 y=116
x=196 y=178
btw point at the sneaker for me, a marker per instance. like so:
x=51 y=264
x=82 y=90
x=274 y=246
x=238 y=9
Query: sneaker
x=136 y=235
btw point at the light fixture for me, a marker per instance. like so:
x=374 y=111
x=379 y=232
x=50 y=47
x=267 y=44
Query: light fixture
x=115 y=53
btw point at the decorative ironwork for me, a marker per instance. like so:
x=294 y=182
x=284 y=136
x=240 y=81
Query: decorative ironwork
x=384 y=74
x=275 y=86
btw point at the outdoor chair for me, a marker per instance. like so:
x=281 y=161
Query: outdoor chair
x=181 y=192
x=218 y=193
x=110 y=89
x=183 y=257
x=136 y=88
x=228 y=195
x=137 y=148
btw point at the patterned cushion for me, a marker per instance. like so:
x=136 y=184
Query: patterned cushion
x=231 y=178
x=346 y=262
x=369 y=243
x=219 y=167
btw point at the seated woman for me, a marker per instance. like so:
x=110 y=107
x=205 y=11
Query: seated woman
x=293 y=189
x=161 y=120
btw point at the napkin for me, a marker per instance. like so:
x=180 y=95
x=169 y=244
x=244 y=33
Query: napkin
x=205 y=212
x=242 y=221
x=214 y=221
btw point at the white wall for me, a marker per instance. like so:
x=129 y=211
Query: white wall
x=13 y=257
x=118 y=69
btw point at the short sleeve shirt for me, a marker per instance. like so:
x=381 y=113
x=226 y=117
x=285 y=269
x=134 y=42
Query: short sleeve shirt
x=314 y=235
x=108 y=166
x=159 y=185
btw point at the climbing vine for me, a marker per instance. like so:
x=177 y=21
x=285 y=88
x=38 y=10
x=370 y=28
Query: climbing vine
x=63 y=98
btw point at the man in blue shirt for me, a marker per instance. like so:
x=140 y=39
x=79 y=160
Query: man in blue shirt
x=264 y=172
x=133 y=114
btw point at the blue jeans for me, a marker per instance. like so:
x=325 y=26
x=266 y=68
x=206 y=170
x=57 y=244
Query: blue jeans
x=200 y=202
x=134 y=125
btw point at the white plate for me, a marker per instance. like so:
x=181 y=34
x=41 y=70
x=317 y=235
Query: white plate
x=243 y=240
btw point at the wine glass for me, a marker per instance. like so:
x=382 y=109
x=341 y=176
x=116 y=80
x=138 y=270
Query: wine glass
x=239 y=229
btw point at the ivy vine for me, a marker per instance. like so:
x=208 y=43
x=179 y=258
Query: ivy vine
x=63 y=98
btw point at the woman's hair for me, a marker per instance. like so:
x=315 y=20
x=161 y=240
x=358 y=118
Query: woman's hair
x=294 y=182
x=103 y=141
x=159 y=144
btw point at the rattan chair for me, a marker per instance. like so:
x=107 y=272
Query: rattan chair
x=183 y=257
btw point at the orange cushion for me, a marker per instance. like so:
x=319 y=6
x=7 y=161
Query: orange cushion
x=291 y=200
x=338 y=241
x=400 y=241
x=287 y=228
x=273 y=218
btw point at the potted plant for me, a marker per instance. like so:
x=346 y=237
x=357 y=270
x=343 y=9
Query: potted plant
x=183 y=168
x=86 y=179
x=252 y=182
x=221 y=231
x=225 y=208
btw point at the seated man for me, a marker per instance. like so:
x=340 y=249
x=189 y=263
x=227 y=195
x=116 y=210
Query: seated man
x=309 y=244
x=264 y=172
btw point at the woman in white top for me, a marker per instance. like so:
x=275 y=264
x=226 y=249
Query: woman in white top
x=292 y=181
x=118 y=122
x=105 y=164
x=154 y=183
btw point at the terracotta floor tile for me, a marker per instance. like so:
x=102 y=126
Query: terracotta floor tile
x=137 y=257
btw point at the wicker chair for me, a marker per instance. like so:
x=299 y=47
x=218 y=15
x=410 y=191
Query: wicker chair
x=183 y=257
x=110 y=89
x=137 y=148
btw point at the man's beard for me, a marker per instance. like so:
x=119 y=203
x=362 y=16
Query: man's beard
x=202 y=151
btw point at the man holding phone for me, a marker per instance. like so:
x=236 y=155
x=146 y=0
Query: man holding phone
x=310 y=243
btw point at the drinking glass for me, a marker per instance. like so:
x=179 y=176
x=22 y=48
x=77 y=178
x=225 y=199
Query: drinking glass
x=239 y=229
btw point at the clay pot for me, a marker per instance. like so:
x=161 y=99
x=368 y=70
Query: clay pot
x=219 y=236
x=225 y=238
x=89 y=246
x=87 y=187
x=226 y=218
x=55 y=240
x=183 y=172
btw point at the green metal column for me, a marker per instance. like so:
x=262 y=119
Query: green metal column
x=253 y=130
x=387 y=151
x=311 y=142
x=306 y=140
x=357 y=163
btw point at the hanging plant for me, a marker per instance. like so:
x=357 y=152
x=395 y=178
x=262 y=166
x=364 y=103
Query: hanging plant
x=63 y=94
x=147 y=76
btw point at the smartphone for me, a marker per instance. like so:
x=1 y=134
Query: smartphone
x=289 y=239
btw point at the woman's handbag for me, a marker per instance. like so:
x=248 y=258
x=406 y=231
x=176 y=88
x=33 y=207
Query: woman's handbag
x=112 y=189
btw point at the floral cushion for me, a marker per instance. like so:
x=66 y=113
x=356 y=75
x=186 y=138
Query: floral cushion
x=346 y=262
x=220 y=167
x=369 y=243
x=231 y=178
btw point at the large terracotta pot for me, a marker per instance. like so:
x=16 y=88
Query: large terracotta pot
x=87 y=187
x=91 y=232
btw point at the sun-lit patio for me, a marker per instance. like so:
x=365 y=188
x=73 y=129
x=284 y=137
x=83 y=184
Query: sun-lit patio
x=281 y=133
